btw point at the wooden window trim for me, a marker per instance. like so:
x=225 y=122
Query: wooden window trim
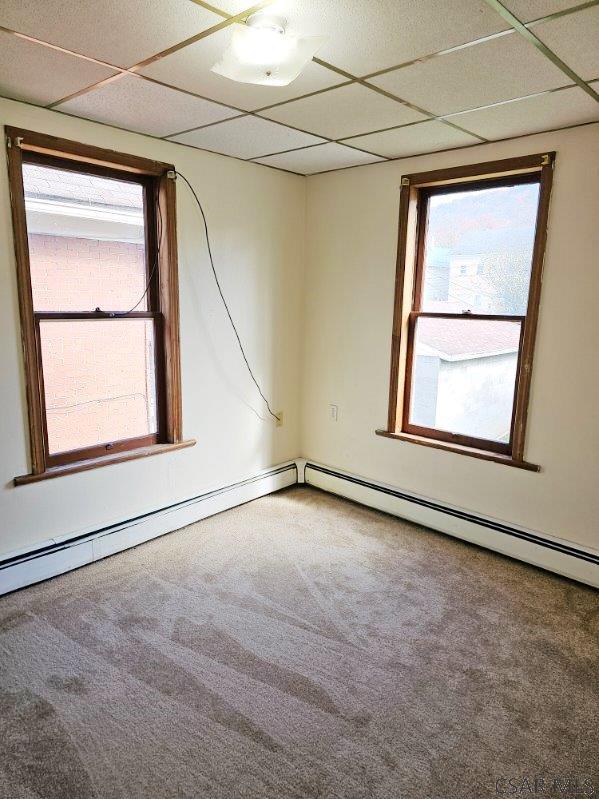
x=473 y=452
x=407 y=285
x=34 y=147
x=105 y=460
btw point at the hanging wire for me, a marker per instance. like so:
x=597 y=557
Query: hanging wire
x=222 y=296
x=152 y=271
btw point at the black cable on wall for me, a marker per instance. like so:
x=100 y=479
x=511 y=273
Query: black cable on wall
x=222 y=296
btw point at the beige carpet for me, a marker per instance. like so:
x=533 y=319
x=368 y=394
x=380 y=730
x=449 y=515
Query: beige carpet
x=298 y=646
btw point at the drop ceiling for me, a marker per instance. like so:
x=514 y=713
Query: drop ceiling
x=394 y=78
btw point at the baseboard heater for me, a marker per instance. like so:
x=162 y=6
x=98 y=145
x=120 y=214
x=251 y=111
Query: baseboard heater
x=547 y=552
x=57 y=557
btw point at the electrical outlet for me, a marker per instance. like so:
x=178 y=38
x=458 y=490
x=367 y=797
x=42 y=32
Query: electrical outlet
x=334 y=412
x=279 y=415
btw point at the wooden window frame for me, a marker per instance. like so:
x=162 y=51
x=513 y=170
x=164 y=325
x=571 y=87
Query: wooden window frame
x=25 y=146
x=416 y=190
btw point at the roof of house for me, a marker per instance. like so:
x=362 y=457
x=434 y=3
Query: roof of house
x=465 y=339
x=60 y=184
x=63 y=203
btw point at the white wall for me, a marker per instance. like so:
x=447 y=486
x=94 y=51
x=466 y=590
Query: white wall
x=257 y=226
x=260 y=220
x=351 y=249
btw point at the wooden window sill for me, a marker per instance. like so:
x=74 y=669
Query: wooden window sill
x=106 y=460
x=482 y=454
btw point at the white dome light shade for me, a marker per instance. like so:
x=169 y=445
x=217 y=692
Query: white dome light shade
x=266 y=55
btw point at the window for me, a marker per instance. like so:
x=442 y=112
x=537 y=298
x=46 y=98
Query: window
x=467 y=292
x=96 y=259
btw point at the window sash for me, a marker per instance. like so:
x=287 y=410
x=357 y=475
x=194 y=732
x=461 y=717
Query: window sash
x=152 y=302
x=425 y=196
x=416 y=312
x=114 y=445
x=419 y=275
x=153 y=223
x=444 y=435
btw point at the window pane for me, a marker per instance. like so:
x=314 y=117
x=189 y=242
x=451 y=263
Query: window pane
x=86 y=241
x=463 y=376
x=99 y=381
x=478 y=250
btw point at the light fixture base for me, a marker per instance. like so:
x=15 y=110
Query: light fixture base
x=262 y=20
x=264 y=53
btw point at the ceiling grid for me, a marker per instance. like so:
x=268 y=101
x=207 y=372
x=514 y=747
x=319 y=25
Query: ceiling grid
x=531 y=65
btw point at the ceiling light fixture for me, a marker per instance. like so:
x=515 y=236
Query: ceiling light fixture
x=262 y=52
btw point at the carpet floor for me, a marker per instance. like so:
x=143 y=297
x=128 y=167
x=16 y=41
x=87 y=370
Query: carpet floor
x=299 y=646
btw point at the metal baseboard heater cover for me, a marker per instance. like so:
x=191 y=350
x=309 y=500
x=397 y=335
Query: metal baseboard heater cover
x=546 y=552
x=54 y=558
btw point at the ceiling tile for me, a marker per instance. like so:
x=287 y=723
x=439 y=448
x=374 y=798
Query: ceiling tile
x=531 y=115
x=344 y=112
x=319 y=159
x=527 y=10
x=365 y=36
x=232 y=6
x=247 y=137
x=56 y=74
x=189 y=69
x=425 y=137
x=111 y=30
x=140 y=105
x=511 y=67
x=575 y=39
